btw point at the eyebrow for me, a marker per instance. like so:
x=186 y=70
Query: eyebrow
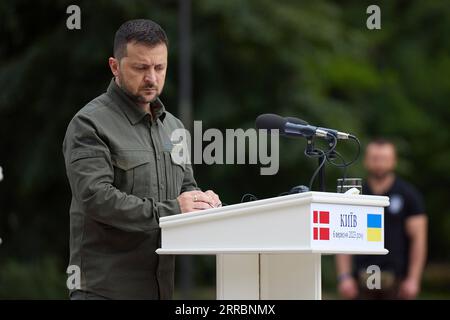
x=146 y=64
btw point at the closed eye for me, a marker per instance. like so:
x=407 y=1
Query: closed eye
x=140 y=67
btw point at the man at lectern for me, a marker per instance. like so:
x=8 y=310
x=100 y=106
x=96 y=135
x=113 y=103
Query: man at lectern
x=123 y=176
x=405 y=224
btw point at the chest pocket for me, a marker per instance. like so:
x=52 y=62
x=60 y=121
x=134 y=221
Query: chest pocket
x=133 y=171
x=175 y=175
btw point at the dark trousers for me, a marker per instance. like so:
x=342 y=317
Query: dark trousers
x=388 y=291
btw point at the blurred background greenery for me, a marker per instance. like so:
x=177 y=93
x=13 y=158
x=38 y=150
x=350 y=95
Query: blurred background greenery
x=311 y=59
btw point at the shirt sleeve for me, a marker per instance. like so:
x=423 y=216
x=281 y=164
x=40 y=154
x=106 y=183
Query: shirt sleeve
x=189 y=183
x=415 y=202
x=91 y=175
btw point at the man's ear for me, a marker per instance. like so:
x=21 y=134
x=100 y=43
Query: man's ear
x=114 y=65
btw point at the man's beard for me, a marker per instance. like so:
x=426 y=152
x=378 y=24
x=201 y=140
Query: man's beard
x=136 y=97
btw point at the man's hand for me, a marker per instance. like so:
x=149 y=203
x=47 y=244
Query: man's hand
x=347 y=285
x=197 y=200
x=214 y=197
x=409 y=289
x=348 y=288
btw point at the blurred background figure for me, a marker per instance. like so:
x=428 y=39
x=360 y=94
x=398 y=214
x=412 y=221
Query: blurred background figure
x=405 y=236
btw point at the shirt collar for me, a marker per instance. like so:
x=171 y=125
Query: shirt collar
x=130 y=108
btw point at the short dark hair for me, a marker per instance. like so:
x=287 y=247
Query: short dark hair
x=140 y=31
x=382 y=141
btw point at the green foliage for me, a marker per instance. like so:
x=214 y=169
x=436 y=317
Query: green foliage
x=40 y=279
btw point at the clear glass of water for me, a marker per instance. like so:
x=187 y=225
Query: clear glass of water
x=343 y=185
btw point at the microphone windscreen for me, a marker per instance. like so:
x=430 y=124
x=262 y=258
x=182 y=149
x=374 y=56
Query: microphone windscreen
x=270 y=121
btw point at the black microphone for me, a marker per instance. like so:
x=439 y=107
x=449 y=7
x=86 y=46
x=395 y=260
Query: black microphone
x=270 y=121
x=291 y=126
x=296 y=120
x=318 y=131
x=337 y=134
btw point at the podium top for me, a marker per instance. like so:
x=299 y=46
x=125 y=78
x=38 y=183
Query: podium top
x=288 y=200
x=310 y=222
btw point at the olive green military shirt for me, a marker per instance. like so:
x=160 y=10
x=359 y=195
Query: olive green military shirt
x=123 y=178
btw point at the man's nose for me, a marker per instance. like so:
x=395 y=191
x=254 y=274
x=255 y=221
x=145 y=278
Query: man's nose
x=150 y=76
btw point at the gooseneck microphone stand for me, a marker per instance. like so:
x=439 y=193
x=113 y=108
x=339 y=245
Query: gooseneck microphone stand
x=322 y=156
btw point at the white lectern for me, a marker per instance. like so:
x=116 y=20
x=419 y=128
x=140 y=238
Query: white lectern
x=271 y=248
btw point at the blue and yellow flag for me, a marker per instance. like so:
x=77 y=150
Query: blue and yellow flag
x=374 y=227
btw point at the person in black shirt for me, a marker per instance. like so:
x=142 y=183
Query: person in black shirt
x=405 y=234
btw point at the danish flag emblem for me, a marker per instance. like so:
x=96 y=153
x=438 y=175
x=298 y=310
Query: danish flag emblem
x=321 y=228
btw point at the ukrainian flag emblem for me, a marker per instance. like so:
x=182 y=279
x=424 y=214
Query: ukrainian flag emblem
x=374 y=227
